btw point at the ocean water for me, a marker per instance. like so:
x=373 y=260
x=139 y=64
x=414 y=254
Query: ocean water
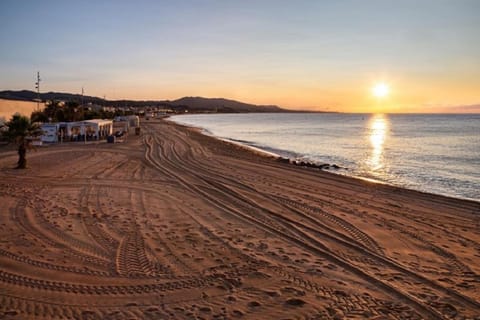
x=436 y=153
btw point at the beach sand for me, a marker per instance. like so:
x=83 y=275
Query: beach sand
x=173 y=224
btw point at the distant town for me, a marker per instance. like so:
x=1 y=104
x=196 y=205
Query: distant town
x=141 y=107
x=65 y=117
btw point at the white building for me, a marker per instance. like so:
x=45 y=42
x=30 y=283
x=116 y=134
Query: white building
x=94 y=129
x=132 y=120
x=50 y=132
x=98 y=128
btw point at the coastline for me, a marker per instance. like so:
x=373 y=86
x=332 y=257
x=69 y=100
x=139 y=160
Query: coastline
x=266 y=154
x=178 y=224
x=332 y=168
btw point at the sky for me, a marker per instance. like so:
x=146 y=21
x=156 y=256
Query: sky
x=316 y=55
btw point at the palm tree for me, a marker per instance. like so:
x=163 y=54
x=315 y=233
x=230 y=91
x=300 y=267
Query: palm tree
x=21 y=131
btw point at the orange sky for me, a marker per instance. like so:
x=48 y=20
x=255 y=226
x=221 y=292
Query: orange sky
x=317 y=55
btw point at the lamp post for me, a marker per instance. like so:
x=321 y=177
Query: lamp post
x=37 y=86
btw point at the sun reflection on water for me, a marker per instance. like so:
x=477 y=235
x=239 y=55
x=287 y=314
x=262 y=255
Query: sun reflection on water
x=378 y=128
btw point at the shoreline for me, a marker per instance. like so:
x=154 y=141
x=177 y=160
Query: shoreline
x=262 y=152
x=177 y=224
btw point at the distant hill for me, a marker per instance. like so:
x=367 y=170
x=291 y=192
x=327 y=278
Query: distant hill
x=222 y=105
x=27 y=95
x=194 y=104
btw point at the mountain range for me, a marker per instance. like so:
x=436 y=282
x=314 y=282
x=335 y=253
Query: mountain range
x=194 y=104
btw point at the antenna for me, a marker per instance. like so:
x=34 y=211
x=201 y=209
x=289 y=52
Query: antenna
x=37 y=86
x=82 y=107
x=82 y=96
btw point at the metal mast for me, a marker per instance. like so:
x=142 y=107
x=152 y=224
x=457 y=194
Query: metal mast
x=37 y=86
x=82 y=107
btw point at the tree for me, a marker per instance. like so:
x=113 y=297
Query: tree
x=72 y=112
x=38 y=116
x=21 y=131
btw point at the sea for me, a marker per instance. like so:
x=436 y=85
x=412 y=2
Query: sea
x=435 y=153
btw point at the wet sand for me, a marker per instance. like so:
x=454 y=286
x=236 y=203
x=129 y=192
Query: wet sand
x=173 y=224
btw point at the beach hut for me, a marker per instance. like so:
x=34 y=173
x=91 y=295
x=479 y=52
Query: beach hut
x=94 y=129
x=97 y=128
x=69 y=131
x=132 y=120
x=149 y=114
x=50 y=132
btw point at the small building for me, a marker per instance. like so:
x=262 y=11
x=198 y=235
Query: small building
x=50 y=132
x=149 y=114
x=122 y=124
x=120 y=127
x=69 y=131
x=94 y=129
x=132 y=120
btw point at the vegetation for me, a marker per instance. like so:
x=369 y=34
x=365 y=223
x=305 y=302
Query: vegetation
x=21 y=130
x=192 y=104
x=57 y=111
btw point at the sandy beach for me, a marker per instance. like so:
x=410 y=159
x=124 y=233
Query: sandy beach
x=173 y=224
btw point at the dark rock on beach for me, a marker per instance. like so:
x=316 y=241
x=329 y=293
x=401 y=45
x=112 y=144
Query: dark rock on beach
x=307 y=164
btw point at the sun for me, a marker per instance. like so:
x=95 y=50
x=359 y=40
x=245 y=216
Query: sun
x=380 y=90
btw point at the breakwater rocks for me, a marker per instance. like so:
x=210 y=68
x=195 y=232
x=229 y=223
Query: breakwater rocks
x=301 y=163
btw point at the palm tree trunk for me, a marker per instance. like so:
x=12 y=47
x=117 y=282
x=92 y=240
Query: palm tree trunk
x=22 y=156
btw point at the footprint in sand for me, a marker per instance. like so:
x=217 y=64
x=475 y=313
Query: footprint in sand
x=295 y=302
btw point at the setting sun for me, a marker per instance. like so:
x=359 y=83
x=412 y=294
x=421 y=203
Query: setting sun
x=380 y=90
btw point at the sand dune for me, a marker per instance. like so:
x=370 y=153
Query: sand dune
x=176 y=225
